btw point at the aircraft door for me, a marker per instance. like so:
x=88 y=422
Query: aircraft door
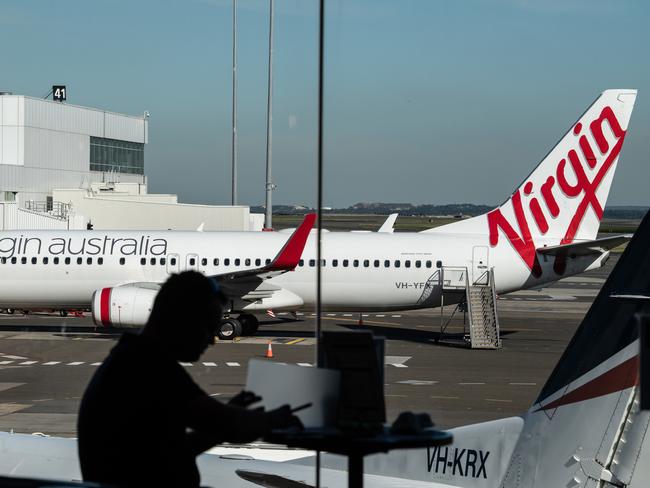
x=192 y=262
x=480 y=265
x=173 y=263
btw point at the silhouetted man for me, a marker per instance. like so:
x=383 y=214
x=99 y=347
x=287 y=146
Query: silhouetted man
x=143 y=420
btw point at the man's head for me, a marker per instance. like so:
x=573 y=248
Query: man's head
x=185 y=314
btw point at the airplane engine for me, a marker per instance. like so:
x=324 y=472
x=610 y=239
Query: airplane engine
x=123 y=306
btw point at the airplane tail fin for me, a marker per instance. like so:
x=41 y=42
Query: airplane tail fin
x=586 y=427
x=563 y=199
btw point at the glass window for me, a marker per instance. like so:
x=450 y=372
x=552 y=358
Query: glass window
x=143 y=261
x=89 y=260
x=204 y=262
x=407 y=264
x=23 y=260
x=34 y=260
x=386 y=263
x=215 y=262
x=152 y=261
x=355 y=263
x=192 y=261
x=115 y=155
x=418 y=264
x=122 y=261
x=162 y=261
x=268 y=261
x=428 y=264
x=46 y=260
x=237 y=261
x=172 y=261
x=226 y=262
x=376 y=263
x=100 y=261
x=80 y=260
x=366 y=263
x=258 y=262
x=397 y=263
x=335 y=262
x=301 y=262
x=247 y=262
x=3 y=260
x=13 y=260
x=55 y=260
x=312 y=263
x=67 y=260
x=345 y=263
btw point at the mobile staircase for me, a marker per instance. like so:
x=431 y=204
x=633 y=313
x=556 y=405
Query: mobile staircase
x=477 y=302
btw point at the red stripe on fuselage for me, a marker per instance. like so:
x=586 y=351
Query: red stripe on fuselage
x=621 y=377
x=105 y=307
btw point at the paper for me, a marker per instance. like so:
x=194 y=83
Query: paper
x=284 y=384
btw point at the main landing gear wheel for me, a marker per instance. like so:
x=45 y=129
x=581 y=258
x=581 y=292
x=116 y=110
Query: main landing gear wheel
x=249 y=324
x=229 y=329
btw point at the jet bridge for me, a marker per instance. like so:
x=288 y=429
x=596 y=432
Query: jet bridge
x=478 y=305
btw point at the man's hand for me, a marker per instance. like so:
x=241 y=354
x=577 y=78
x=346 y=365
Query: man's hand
x=244 y=399
x=282 y=418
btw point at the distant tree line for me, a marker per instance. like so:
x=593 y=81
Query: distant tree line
x=453 y=209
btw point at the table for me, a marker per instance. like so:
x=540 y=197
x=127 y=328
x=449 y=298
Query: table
x=357 y=445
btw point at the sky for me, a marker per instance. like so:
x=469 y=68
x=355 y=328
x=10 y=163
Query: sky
x=426 y=101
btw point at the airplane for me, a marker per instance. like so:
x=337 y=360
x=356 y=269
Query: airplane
x=585 y=429
x=546 y=230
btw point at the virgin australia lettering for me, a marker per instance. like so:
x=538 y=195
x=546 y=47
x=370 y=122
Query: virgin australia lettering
x=117 y=274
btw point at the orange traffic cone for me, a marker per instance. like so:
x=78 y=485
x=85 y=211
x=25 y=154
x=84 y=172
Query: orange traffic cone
x=269 y=352
x=360 y=324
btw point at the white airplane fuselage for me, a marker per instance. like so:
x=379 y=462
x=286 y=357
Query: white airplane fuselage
x=360 y=281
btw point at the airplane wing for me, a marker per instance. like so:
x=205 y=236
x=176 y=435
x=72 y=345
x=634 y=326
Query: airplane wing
x=249 y=283
x=585 y=248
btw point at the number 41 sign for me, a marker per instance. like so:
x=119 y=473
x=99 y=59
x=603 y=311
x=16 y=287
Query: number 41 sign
x=59 y=93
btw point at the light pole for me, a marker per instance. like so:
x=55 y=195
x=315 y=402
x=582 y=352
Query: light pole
x=268 y=220
x=234 y=103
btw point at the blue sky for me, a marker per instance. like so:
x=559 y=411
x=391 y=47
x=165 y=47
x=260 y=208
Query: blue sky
x=426 y=101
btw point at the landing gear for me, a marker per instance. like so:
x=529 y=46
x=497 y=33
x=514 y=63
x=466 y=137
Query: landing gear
x=249 y=324
x=229 y=329
x=63 y=313
x=10 y=311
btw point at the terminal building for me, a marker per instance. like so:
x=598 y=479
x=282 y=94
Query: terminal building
x=67 y=166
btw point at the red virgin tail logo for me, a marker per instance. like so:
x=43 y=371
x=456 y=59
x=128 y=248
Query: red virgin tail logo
x=522 y=240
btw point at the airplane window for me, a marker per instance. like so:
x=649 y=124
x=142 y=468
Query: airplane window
x=397 y=263
x=226 y=262
x=67 y=261
x=80 y=260
x=143 y=261
x=237 y=261
x=100 y=260
x=23 y=260
x=418 y=264
x=122 y=261
x=172 y=261
x=152 y=261
x=366 y=263
x=204 y=262
x=376 y=263
x=89 y=261
x=247 y=261
x=56 y=260
x=162 y=261
x=386 y=263
x=46 y=260
x=268 y=261
x=355 y=263
x=192 y=261
x=345 y=263
x=13 y=260
x=258 y=262
x=335 y=262
x=34 y=260
x=301 y=262
x=3 y=260
x=215 y=262
x=407 y=264
x=428 y=264
x=323 y=263
x=312 y=263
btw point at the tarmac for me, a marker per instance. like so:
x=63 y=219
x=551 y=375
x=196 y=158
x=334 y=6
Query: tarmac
x=46 y=360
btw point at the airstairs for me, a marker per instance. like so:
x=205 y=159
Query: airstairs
x=477 y=300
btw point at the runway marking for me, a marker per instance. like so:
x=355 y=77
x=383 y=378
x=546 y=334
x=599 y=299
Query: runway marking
x=186 y=364
x=397 y=361
x=365 y=321
x=403 y=396
x=9 y=386
x=331 y=315
x=347 y=315
x=75 y=363
x=2 y=363
x=417 y=382
x=307 y=365
x=233 y=364
x=497 y=400
x=27 y=363
x=294 y=341
x=210 y=364
x=216 y=394
x=469 y=383
x=50 y=363
x=10 y=356
x=443 y=397
x=396 y=316
x=523 y=384
x=96 y=364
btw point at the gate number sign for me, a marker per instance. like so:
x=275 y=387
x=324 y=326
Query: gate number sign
x=59 y=93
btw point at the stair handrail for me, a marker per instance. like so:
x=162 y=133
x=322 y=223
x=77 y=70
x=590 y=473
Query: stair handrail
x=496 y=313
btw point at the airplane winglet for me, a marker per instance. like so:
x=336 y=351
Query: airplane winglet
x=289 y=255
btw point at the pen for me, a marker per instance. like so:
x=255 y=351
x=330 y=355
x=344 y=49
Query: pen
x=301 y=407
